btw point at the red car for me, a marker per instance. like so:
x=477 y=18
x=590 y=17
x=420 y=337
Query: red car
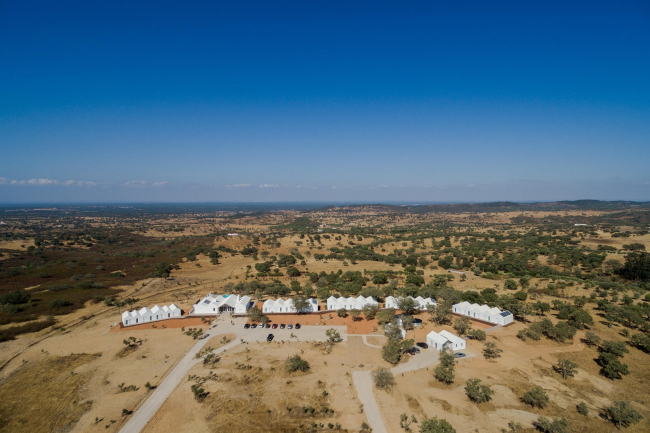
x=274 y=326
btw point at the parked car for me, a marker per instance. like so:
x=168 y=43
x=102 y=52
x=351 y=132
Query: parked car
x=261 y=325
x=268 y=325
x=422 y=345
x=297 y=325
x=275 y=325
x=269 y=338
x=289 y=326
x=246 y=326
x=282 y=326
x=413 y=351
x=460 y=355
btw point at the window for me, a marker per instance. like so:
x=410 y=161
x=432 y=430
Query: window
x=136 y=320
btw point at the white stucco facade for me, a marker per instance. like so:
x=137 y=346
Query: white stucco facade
x=286 y=306
x=483 y=312
x=218 y=304
x=445 y=340
x=351 y=303
x=146 y=315
x=423 y=303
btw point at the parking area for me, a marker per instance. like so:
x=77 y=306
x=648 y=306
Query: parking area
x=305 y=333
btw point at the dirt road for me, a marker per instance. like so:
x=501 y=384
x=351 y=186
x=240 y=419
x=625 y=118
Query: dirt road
x=145 y=412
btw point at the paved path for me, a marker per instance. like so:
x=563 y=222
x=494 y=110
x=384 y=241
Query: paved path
x=149 y=408
x=364 y=384
x=365 y=341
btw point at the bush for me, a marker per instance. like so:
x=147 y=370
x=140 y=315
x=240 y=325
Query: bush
x=611 y=367
x=641 y=341
x=591 y=339
x=296 y=363
x=536 y=397
x=477 y=334
x=491 y=351
x=478 y=393
x=383 y=379
x=333 y=335
x=566 y=368
x=385 y=316
x=444 y=372
x=623 y=415
x=557 y=425
x=582 y=409
x=370 y=311
x=117 y=274
x=392 y=351
x=616 y=349
x=57 y=303
x=15 y=298
x=58 y=287
x=436 y=425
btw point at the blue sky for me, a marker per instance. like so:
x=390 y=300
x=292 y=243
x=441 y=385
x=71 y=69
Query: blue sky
x=319 y=101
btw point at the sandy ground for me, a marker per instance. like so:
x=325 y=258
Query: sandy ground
x=239 y=390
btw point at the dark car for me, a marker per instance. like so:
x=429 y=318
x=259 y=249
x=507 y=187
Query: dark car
x=289 y=326
x=282 y=326
x=297 y=326
x=269 y=338
x=268 y=325
x=422 y=345
x=246 y=326
x=274 y=326
x=460 y=355
x=413 y=351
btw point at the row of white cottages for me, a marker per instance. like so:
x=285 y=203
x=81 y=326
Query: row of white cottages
x=146 y=315
x=483 y=312
x=351 y=303
x=423 y=303
x=286 y=306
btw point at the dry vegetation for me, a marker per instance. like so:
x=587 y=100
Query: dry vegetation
x=177 y=256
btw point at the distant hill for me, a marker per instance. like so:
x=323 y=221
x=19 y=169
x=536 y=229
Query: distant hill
x=500 y=206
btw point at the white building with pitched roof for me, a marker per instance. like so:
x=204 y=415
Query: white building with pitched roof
x=286 y=306
x=218 y=304
x=423 y=303
x=483 y=312
x=445 y=340
x=146 y=315
x=351 y=303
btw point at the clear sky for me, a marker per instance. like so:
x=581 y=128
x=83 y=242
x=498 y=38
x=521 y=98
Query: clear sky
x=324 y=100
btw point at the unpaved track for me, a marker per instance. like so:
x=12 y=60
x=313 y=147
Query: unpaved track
x=149 y=408
x=364 y=385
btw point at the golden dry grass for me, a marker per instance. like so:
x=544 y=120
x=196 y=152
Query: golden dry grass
x=44 y=396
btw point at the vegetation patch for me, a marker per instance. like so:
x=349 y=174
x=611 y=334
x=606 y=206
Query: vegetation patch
x=44 y=396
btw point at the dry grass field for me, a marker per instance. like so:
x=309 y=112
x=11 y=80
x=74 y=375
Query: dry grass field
x=80 y=370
